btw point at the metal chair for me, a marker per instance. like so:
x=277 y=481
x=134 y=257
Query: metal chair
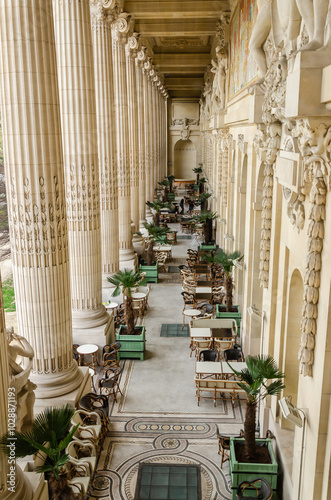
x=263 y=493
x=233 y=355
x=208 y=355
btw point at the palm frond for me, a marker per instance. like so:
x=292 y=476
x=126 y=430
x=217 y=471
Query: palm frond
x=127 y=279
x=56 y=420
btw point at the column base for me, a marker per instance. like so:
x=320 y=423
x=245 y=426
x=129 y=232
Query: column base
x=141 y=225
x=89 y=319
x=99 y=336
x=57 y=384
x=128 y=259
x=138 y=244
x=71 y=398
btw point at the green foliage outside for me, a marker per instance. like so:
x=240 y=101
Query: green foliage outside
x=8 y=295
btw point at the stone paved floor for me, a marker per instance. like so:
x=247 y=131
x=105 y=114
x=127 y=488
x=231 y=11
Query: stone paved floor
x=157 y=419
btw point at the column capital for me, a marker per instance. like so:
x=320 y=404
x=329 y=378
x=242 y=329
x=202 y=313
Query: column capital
x=141 y=55
x=104 y=12
x=122 y=27
x=133 y=45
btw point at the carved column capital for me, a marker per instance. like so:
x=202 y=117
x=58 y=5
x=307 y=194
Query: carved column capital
x=122 y=27
x=132 y=47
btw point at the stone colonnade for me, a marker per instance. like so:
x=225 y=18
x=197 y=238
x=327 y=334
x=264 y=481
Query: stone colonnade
x=80 y=150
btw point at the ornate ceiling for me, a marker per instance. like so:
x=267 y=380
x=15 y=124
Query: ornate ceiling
x=180 y=37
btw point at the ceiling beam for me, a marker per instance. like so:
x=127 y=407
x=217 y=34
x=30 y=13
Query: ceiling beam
x=181 y=60
x=173 y=28
x=174 y=9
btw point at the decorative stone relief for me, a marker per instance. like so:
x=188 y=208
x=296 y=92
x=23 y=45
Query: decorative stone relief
x=20 y=356
x=219 y=68
x=184 y=121
x=314 y=145
x=295 y=207
x=83 y=211
x=225 y=144
x=38 y=225
x=272 y=146
x=221 y=28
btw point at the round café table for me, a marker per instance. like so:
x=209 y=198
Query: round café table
x=110 y=305
x=190 y=313
x=85 y=350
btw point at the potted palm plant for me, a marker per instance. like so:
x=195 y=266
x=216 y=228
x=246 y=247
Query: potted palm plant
x=48 y=438
x=251 y=457
x=156 y=234
x=203 y=197
x=171 y=194
x=198 y=171
x=201 y=183
x=226 y=259
x=157 y=206
x=206 y=218
x=131 y=337
x=165 y=185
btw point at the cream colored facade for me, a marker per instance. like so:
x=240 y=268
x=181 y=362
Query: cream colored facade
x=97 y=112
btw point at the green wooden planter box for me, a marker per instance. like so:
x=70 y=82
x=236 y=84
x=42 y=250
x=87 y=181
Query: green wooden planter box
x=207 y=247
x=132 y=346
x=151 y=273
x=234 y=315
x=240 y=471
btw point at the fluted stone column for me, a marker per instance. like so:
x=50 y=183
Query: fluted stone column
x=35 y=194
x=121 y=30
x=131 y=50
x=103 y=72
x=147 y=133
x=151 y=135
x=140 y=59
x=80 y=150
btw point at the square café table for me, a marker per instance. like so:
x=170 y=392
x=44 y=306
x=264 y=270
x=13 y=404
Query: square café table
x=200 y=332
x=218 y=368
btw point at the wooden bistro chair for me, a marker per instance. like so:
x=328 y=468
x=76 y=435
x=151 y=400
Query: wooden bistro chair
x=110 y=383
x=109 y=355
x=222 y=345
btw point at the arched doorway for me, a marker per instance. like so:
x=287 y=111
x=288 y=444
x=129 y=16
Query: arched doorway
x=185 y=158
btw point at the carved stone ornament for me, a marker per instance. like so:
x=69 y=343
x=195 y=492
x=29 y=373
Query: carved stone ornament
x=122 y=27
x=183 y=121
x=20 y=356
x=315 y=147
x=185 y=132
x=273 y=134
x=295 y=208
x=221 y=27
x=182 y=43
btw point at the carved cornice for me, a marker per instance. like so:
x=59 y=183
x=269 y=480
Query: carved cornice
x=221 y=28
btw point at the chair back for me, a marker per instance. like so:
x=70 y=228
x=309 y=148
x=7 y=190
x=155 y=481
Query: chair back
x=233 y=355
x=263 y=493
x=208 y=355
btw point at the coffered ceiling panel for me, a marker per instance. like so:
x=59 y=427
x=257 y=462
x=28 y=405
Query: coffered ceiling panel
x=180 y=37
